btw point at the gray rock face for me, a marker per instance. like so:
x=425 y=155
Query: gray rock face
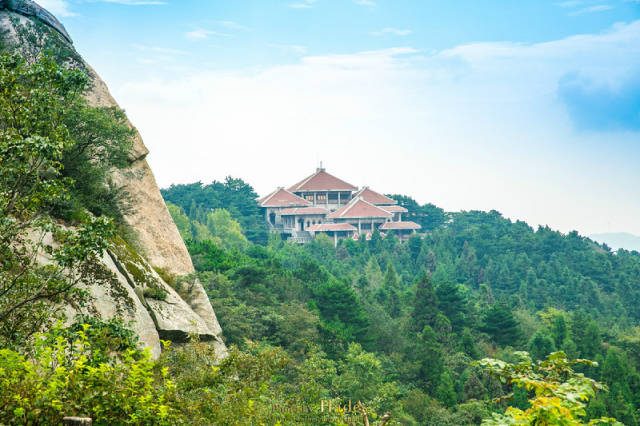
x=137 y=292
x=32 y=9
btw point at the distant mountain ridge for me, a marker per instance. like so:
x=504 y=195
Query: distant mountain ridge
x=618 y=240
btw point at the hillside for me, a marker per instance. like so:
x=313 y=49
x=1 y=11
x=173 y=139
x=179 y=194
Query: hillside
x=495 y=286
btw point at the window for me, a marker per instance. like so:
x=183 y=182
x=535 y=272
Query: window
x=321 y=197
x=308 y=197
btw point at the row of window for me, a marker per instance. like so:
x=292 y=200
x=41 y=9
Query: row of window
x=323 y=197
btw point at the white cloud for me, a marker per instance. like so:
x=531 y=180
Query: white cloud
x=57 y=7
x=478 y=126
x=592 y=9
x=389 y=30
x=306 y=4
x=570 y=3
x=233 y=25
x=290 y=48
x=365 y=2
x=200 y=34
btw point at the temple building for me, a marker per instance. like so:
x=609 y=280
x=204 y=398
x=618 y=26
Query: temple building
x=323 y=203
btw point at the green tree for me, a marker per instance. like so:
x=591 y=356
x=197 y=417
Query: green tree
x=34 y=101
x=225 y=230
x=541 y=345
x=425 y=305
x=389 y=294
x=590 y=345
x=101 y=141
x=181 y=220
x=559 y=330
x=500 y=324
x=560 y=394
x=446 y=391
x=426 y=357
x=452 y=304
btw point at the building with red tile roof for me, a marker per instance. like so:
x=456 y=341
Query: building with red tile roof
x=323 y=203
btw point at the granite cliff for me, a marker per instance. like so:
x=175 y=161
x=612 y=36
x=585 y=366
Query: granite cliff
x=156 y=255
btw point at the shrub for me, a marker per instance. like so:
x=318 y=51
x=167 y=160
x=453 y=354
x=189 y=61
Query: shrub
x=56 y=380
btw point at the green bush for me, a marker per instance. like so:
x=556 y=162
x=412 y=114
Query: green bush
x=154 y=292
x=56 y=380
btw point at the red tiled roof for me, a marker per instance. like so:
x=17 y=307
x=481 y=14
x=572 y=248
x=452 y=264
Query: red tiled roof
x=322 y=181
x=303 y=210
x=399 y=225
x=324 y=227
x=282 y=198
x=359 y=208
x=394 y=209
x=374 y=197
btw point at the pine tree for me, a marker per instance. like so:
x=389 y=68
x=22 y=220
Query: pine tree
x=468 y=345
x=452 y=304
x=591 y=341
x=541 y=345
x=446 y=392
x=425 y=305
x=389 y=294
x=559 y=330
x=500 y=324
x=426 y=354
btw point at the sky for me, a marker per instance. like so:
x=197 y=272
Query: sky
x=528 y=107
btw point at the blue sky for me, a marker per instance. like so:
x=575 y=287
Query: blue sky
x=531 y=108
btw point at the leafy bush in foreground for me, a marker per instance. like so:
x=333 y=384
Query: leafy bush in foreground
x=57 y=379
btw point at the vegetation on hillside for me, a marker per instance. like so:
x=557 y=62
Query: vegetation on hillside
x=237 y=197
x=475 y=285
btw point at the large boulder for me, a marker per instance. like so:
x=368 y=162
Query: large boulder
x=157 y=255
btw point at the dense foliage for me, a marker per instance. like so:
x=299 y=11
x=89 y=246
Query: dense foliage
x=34 y=103
x=559 y=395
x=234 y=195
x=476 y=284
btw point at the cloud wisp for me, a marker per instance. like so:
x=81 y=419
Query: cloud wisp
x=392 y=31
x=290 y=48
x=592 y=9
x=305 y=4
x=201 y=34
